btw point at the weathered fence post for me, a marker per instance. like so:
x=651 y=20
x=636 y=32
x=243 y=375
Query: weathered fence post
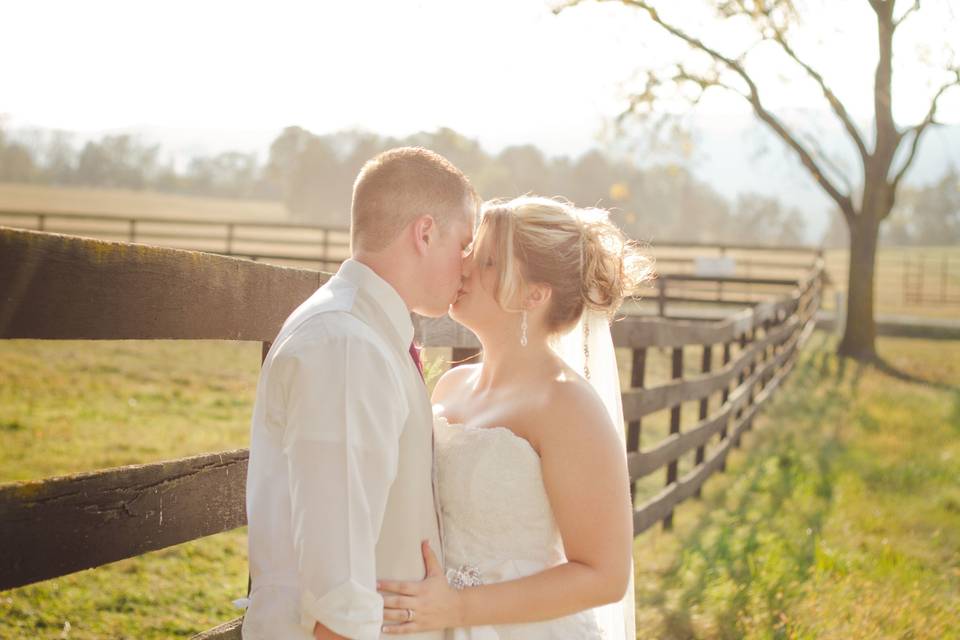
x=704 y=406
x=638 y=367
x=906 y=279
x=724 y=395
x=676 y=373
x=753 y=384
x=767 y=351
x=662 y=296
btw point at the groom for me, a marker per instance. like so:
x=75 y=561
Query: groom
x=340 y=487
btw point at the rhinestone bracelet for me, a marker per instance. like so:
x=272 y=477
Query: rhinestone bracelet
x=464 y=576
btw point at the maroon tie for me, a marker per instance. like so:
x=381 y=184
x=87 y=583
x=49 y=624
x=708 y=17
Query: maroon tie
x=415 y=354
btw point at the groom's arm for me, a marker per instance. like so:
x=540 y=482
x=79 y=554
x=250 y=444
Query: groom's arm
x=345 y=414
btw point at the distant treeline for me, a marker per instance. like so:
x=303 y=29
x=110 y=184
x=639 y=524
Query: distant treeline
x=313 y=174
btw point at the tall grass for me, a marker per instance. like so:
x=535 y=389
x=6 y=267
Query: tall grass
x=840 y=518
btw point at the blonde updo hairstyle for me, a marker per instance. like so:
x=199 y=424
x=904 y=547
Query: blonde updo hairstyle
x=580 y=254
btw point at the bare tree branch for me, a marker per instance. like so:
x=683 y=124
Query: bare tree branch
x=918 y=129
x=704 y=81
x=648 y=97
x=835 y=104
x=827 y=161
x=842 y=200
x=559 y=5
x=915 y=7
x=775 y=20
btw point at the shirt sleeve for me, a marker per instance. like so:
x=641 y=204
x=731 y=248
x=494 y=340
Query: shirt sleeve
x=345 y=411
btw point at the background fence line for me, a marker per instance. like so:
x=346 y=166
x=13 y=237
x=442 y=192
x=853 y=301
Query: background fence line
x=326 y=247
x=679 y=292
x=917 y=280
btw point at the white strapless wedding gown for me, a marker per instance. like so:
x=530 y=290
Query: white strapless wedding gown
x=497 y=523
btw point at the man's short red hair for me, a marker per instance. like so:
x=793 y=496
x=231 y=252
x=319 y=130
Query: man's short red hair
x=397 y=186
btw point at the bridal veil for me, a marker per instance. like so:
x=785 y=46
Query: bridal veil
x=588 y=348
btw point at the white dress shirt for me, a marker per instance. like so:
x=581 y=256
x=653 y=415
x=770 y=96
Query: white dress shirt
x=340 y=485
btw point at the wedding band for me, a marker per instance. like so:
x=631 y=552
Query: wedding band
x=409 y=615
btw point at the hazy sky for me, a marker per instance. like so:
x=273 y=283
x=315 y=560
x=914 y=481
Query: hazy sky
x=499 y=70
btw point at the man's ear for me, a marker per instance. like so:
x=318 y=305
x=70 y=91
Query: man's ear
x=424 y=231
x=538 y=295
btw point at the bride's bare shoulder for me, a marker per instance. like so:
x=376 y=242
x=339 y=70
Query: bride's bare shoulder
x=452 y=381
x=574 y=410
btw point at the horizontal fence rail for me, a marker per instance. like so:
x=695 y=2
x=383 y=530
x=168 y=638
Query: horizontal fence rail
x=64 y=287
x=284 y=241
x=931 y=280
x=327 y=246
x=55 y=286
x=90 y=519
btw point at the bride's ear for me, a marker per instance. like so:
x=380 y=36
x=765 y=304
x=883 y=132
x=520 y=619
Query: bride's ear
x=538 y=295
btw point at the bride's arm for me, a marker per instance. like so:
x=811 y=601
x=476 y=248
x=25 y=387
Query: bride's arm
x=585 y=475
x=584 y=472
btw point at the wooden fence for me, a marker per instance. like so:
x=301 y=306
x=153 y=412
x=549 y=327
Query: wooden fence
x=313 y=246
x=931 y=280
x=63 y=287
x=270 y=241
x=679 y=293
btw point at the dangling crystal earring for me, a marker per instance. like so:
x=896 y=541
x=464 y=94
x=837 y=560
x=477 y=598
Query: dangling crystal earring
x=523 y=328
x=586 y=348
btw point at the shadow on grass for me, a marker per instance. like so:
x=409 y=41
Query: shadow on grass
x=827 y=356
x=744 y=526
x=889 y=369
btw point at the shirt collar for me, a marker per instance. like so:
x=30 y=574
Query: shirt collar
x=383 y=293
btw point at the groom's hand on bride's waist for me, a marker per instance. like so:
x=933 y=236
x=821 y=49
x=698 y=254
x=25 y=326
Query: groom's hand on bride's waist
x=430 y=604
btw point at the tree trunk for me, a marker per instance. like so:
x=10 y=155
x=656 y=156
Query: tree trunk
x=860 y=333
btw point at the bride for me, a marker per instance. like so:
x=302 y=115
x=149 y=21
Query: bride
x=534 y=490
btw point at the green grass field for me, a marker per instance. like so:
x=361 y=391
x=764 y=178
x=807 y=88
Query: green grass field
x=839 y=517
x=75 y=406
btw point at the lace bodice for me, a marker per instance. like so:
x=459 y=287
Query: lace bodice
x=497 y=519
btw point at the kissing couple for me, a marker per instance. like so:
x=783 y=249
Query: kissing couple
x=498 y=509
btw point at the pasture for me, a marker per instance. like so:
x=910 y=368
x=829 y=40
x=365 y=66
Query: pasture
x=124 y=202
x=899 y=280
x=839 y=517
